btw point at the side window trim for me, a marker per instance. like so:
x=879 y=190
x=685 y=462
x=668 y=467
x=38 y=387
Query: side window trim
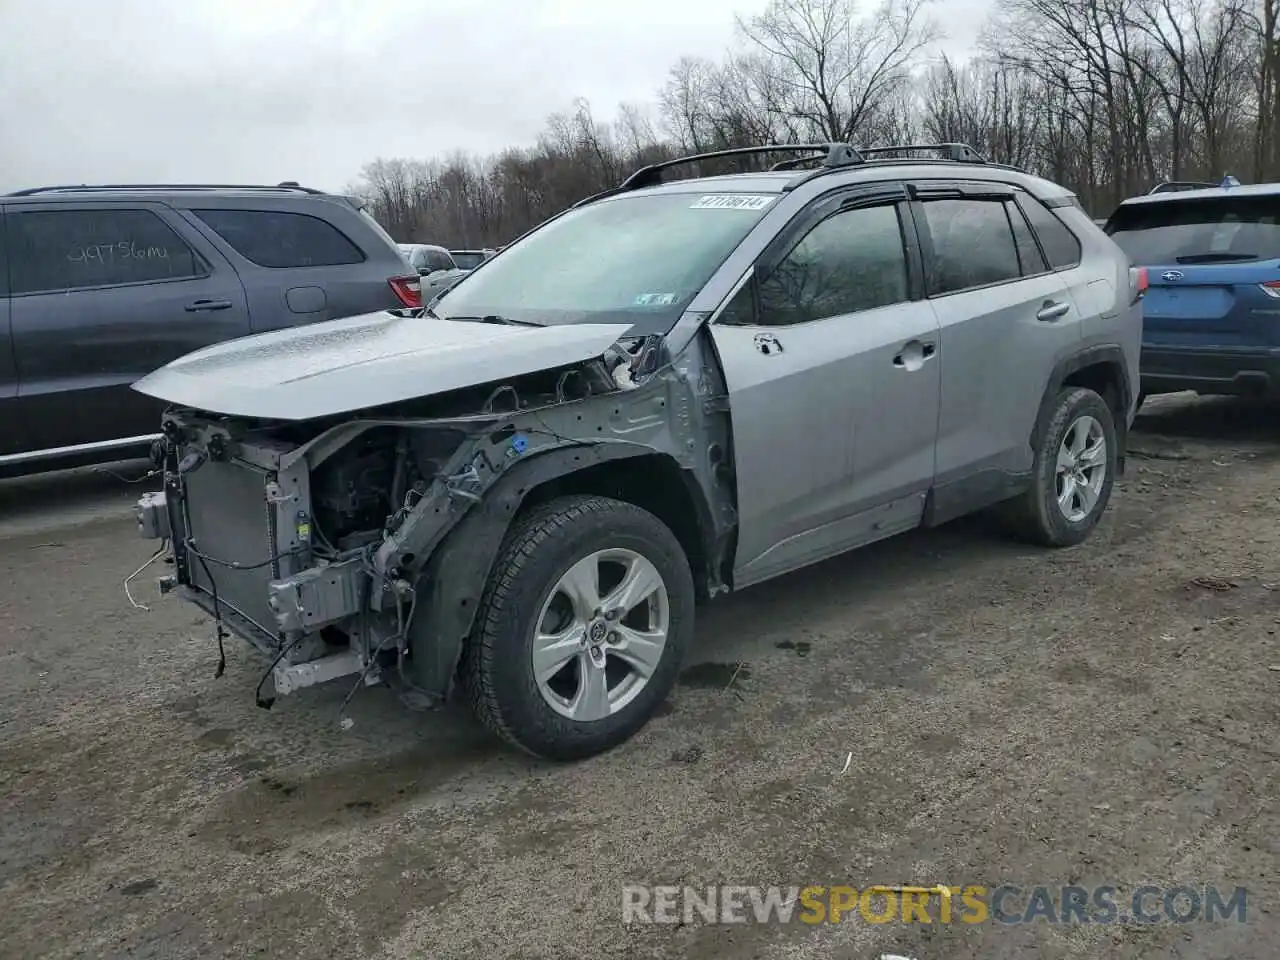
x=4 y=260
x=8 y=222
x=912 y=239
x=960 y=190
x=929 y=252
x=1035 y=239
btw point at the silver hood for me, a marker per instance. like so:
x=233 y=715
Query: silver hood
x=338 y=366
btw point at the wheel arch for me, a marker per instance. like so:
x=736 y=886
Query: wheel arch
x=457 y=570
x=1099 y=368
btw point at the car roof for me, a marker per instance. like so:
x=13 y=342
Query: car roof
x=79 y=193
x=778 y=181
x=1207 y=193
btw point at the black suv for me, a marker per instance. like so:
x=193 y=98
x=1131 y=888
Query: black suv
x=100 y=285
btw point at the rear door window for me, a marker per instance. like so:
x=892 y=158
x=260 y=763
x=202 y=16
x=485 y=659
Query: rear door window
x=273 y=238
x=1204 y=230
x=973 y=245
x=58 y=250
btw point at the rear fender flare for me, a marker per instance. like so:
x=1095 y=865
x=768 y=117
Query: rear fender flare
x=455 y=574
x=1113 y=357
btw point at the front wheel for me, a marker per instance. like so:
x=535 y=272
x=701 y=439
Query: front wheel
x=581 y=628
x=1072 y=475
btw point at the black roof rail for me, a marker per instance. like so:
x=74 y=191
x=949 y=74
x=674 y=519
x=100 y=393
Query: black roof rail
x=955 y=152
x=101 y=187
x=833 y=156
x=837 y=155
x=952 y=153
x=1178 y=186
x=792 y=162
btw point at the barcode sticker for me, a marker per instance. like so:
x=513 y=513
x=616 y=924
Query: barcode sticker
x=731 y=201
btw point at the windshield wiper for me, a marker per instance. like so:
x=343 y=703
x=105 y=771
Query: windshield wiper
x=496 y=318
x=1216 y=257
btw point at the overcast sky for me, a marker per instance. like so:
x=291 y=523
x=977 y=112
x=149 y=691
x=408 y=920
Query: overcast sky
x=239 y=91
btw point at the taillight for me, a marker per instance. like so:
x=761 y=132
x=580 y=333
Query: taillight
x=408 y=290
x=1271 y=288
x=1138 y=282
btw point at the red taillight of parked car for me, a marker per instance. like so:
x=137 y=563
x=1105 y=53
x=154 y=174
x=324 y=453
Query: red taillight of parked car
x=1138 y=282
x=1271 y=288
x=408 y=290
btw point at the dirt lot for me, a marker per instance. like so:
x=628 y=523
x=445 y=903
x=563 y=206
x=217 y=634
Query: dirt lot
x=1104 y=715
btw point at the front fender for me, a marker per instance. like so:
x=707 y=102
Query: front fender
x=455 y=575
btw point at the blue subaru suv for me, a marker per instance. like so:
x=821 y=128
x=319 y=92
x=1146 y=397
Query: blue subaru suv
x=1212 y=309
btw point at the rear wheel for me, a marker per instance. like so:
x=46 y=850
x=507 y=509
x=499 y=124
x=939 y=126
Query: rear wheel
x=1073 y=473
x=581 y=629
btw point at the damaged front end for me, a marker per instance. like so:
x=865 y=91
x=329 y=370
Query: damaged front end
x=359 y=544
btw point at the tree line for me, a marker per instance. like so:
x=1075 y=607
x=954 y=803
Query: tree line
x=1107 y=97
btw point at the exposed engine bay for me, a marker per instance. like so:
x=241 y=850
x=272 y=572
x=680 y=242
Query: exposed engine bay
x=359 y=544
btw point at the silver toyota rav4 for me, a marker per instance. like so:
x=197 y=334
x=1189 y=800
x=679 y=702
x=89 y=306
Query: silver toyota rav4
x=670 y=391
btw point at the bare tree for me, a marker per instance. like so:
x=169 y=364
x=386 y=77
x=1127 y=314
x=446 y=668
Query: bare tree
x=837 y=72
x=1104 y=96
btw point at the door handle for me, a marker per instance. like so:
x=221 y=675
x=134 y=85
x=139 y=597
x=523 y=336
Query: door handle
x=767 y=344
x=914 y=354
x=198 y=305
x=1052 y=310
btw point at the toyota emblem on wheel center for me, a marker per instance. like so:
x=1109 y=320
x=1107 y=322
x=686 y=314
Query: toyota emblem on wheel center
x=1172 y=275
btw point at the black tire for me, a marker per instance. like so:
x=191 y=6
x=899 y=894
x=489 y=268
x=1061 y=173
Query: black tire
x=1035 y=515
x=497 y=669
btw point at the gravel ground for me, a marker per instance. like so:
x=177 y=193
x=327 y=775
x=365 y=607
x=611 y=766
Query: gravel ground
x=943 y=708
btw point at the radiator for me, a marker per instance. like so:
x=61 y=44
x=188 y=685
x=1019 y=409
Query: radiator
x=230 y=518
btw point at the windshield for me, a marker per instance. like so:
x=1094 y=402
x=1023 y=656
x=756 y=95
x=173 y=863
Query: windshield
x=467 y=259
x=637 y=259
x=1213 y=230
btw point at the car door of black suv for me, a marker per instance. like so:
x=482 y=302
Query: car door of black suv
x=102 y=293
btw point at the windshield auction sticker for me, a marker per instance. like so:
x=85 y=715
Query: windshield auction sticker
x=730 y=201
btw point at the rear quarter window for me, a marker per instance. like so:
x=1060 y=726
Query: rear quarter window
x=1061 y=247
x=276 y=239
